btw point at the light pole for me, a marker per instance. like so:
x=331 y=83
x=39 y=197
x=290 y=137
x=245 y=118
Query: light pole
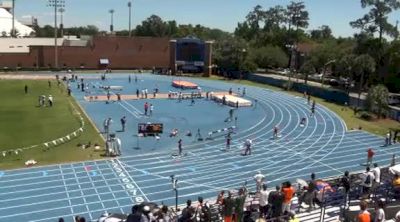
x=13 y=20
x=61 y=10
x=292 y=63
x=56 y=4
x=111 y=11
x=130 y=18
x=174 y=182
x=325 y=66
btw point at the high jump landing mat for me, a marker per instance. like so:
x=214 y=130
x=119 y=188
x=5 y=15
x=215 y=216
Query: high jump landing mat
x=184 y=84
x=231 y=100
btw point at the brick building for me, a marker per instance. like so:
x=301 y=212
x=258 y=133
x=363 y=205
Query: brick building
x=99 y=52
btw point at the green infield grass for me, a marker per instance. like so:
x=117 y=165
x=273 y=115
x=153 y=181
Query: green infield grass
x=24 y=124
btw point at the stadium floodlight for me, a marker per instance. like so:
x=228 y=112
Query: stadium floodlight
x=174 y=182
x=13 y=20
x=56 y=4
x=61 y=10
x=130 y=17
x=111 y=11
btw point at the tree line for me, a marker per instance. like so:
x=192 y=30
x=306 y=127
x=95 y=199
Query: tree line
x=268 y=37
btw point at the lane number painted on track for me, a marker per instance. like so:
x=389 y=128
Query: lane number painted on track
x=127 y=182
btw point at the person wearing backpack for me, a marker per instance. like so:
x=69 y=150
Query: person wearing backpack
x=367 y=177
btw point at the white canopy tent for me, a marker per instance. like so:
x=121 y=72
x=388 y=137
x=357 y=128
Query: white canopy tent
x=6 y=25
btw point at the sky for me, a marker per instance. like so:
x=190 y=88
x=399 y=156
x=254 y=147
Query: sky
x=222 y=14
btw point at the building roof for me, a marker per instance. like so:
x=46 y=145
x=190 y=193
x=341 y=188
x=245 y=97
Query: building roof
x=21 y=45
x=6 y=25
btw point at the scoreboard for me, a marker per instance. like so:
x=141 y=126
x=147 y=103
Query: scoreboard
x=150 y=128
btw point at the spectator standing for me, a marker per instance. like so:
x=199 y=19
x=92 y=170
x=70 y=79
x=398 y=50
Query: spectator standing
x=187 y=212
x=345 y=183
x=264 y=202
x=364 y=215
x=137 y=93
x=288 y=193
x=368 y=178
x=259 y=178
x=377 y=175
x=228 y=208
x=311 y=192
x=239 y=205
x=220 y=198
x=380 y=212
x=26 y=89
x=370 y=156
x=275 y=199
x=147 y=216
x=135 y=216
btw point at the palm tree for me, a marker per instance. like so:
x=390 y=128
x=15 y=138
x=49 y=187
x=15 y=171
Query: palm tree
x=363 y=64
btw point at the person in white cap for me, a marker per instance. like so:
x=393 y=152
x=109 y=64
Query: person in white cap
x=147 y=216
x=259 y=178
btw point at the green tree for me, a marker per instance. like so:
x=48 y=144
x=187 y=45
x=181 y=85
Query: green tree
x=363 y=65
x=377 y=100
x=152 y=26
x=296 y=16
x=376 y=20
x=255 y=17
x=273 y=18
x=268 y=57
x=323 y=32
x=307 y=69
x=232 y=54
